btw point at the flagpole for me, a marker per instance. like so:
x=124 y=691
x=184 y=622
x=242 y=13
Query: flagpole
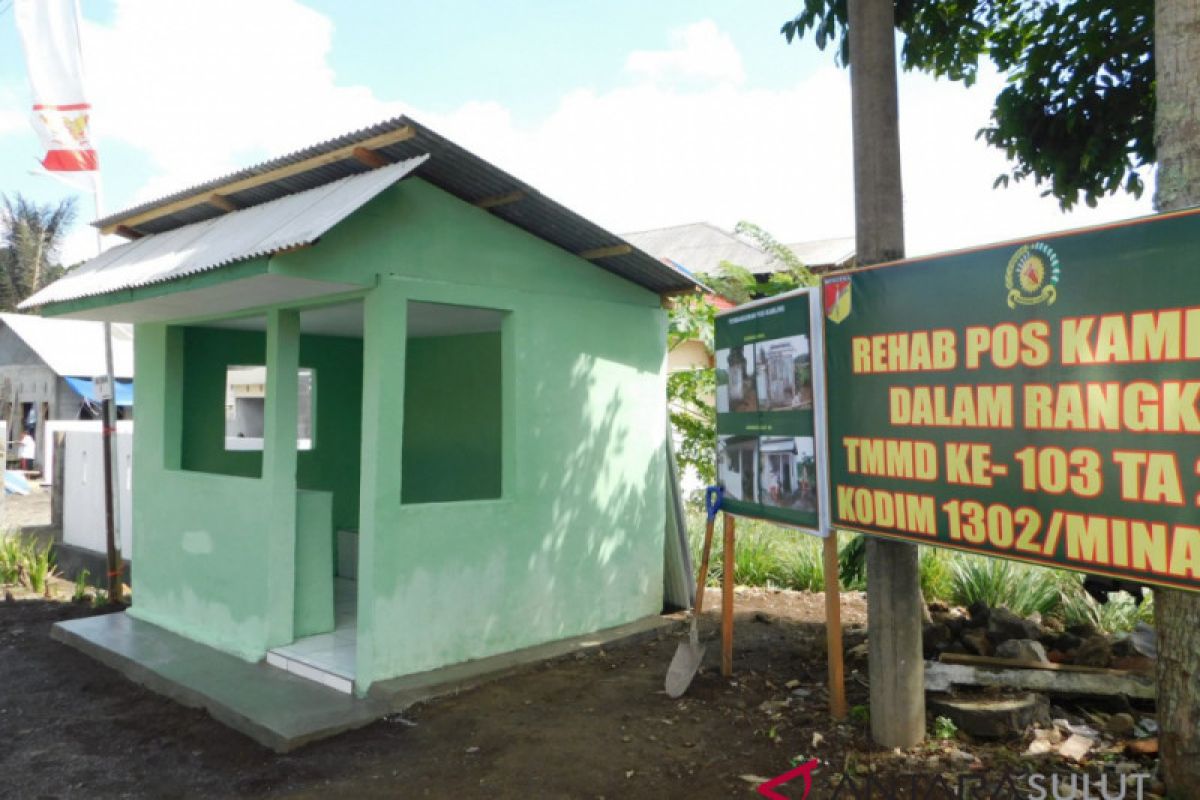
x=109 y=430
x=50 y=35
x=112 y=463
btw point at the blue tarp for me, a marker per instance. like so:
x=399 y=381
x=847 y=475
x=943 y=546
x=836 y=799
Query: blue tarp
x=85 y=388
x=15 y=483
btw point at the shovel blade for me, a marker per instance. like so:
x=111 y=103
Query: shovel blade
x=684 y=666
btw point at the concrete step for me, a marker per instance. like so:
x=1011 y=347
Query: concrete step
x=309 y=670
x=275 y=707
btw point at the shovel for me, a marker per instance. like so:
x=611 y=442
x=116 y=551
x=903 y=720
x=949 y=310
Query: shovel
x=690 y=654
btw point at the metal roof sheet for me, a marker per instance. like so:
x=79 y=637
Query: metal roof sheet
x=73 y=347
x=450 y=168
x=279 y=224
x=825 y=252
x=700 y=247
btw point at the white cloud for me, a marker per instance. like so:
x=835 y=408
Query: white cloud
x=648 y=155
x=948 y=174
x=700 y=51
x=644 y=156
x=203 y=89
x=11 y=121
x=12 y=118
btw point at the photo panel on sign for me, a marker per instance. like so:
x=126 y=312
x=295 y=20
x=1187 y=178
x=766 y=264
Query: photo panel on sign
x=788 y=472
x=784 y=369
x=737 y=383
x=738 y=467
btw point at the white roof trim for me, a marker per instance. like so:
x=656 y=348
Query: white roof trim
x=287 y=222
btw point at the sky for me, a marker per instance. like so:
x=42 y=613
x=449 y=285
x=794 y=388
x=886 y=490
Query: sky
x=636 y=114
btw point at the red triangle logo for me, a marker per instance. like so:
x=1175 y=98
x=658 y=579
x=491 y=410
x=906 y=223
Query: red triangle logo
x=805 y=770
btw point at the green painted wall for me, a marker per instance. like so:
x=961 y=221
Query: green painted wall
x=314 y=563
x=572 y=545
x=202 y=537
x=207 y=353
x=452 y=441
x=332 y=465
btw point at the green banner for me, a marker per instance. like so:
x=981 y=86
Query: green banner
x=767 y=448
x=1035 y=401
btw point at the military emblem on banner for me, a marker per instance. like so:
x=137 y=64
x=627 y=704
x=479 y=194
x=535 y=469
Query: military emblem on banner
x=1031 y=276
x=837 y=298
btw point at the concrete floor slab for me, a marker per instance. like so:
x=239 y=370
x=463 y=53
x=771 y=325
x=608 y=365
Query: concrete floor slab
x=273 y=707
x=283 y=711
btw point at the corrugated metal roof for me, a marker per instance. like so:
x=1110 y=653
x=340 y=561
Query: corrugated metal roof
x=73 y=347
x=701 y=247
x=825 y=252
x=450 y=168
x=290 y=221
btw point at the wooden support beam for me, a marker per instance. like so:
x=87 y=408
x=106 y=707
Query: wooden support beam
x=495 y=201
x=294 y=248
x=606 y=252
x=939 y=677
x=222 y=202
x=369 y=158
x=727 y=599
x=374 y=143
x=833 y=629
x=1017 y=663
x=127 y=232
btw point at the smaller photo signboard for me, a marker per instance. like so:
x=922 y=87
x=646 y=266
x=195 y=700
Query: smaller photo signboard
x=771 y=453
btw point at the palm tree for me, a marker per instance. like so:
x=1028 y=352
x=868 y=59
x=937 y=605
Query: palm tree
x=31 y=235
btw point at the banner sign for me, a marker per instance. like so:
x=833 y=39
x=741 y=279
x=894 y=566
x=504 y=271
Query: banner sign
x=770 y=411
x=61 y=114
x=1037 y=400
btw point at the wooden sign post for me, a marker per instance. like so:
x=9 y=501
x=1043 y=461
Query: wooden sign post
x=833 y=629
x=727 y=569
x=833 y=612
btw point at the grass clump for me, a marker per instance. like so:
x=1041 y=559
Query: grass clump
x=803 y=565
x=1021 y=588
x=12 y=554
x=936 y=567
x=23 y=562
x=1120 y=614
x=772 y=556
x=81 y=586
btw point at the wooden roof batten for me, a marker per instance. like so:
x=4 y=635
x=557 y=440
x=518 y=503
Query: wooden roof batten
x=364 y=152
x=606 y=252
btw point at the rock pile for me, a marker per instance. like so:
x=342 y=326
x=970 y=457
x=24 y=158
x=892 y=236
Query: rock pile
x=984 y=631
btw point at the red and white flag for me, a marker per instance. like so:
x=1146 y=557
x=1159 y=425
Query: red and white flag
x=61 y=115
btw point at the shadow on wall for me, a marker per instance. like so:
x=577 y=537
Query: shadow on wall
x=606 y=498
x=575 y=545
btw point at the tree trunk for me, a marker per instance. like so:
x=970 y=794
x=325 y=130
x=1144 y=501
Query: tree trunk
x=1177 y=613
x=894 y=602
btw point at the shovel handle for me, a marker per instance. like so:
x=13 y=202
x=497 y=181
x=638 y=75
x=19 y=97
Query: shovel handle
x=703 y=576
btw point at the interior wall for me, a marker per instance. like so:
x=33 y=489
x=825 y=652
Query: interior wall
x=333 y=463
x=207 y=354
x=452 y=437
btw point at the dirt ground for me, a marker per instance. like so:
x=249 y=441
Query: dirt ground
x=26 y=511
x=594 y=725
